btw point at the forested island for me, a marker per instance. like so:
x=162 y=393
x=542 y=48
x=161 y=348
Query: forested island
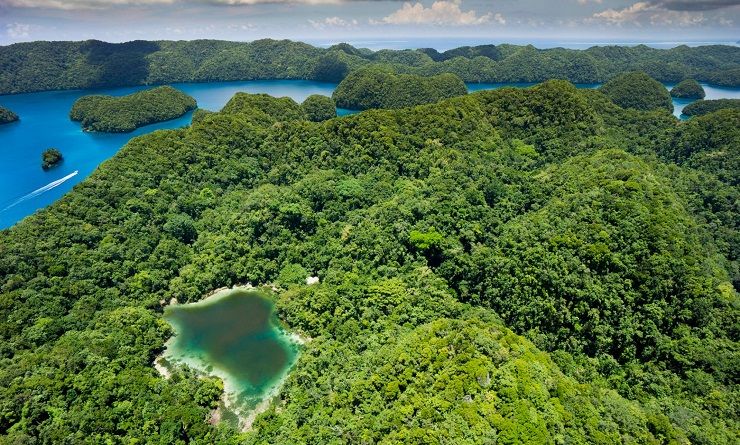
x=125 y=114
x=688 y=89
x=7 y=116
x=39 y=66
x=638 y=91
x=376 y=88
x=702 y=107
x=516 y=266
x=50 y=158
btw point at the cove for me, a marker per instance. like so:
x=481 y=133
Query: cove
x=234 y=335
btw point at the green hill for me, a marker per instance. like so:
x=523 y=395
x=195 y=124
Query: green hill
x=39 y=66
x=373 y=88
x=688 y=89
x=125 y=114
x=519 y=266
x=638 y=91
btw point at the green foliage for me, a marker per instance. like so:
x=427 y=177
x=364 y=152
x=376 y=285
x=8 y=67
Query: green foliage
x=330 y=68
x=125 y=114
x=264 y=108
x=688 y=89
x=7 y=116
x=594 y=232
x=376 y=88
x=38 y=66
x=319 y=108
x=638 y=91
x=702 y=107
x=709 y=143
x=50 y=157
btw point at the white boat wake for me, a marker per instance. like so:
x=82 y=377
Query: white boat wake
x=43 y=189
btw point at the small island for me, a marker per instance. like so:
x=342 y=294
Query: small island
x=50 y=158
x=688 y=89
x=319 y=108
x=638 y=91
x=125 y=114
x=7 y=116
x=376 y=88
x=702 y=107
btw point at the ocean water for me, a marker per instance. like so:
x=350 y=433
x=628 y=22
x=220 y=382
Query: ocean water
x=233 y=335
x=45 y=123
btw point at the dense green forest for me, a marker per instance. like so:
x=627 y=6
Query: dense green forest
x=688 y=89
x=50 y=157
x=702 y=107
x=38 y=66
x=375 y=88
x=319 y=108
x=638 y=91
x=127 y=113
x=7 y=116
x=513 y=266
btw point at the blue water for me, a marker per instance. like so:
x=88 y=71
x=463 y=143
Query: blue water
x=25 y=187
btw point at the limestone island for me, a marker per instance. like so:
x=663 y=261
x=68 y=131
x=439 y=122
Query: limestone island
x=688 y=89
x=377 y=88
x=50 y=157
x=702 y=107
x=124 y=114
x=7 y=116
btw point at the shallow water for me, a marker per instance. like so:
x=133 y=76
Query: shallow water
x=233 y=335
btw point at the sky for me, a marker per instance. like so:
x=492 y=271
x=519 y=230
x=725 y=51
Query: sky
x=324 y=22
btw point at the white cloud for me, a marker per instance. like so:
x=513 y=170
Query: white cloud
x=642 y=13
x=441 y=12
x=18 y=30
x=333 y=22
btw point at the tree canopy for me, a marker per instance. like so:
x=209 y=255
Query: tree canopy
x=638 y=91
x=125 y=114
x=514 y=266
x=377 y=88
x=702 y=107
x=39 y=66
x=319 y=108
x=688 y=89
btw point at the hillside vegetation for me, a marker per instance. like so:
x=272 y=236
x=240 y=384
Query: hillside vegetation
x=702 y=107
x=514 y=266
x=637 y=91
x=127 y=113
x=373 y=88
x=688 y=89
x=39 y=66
